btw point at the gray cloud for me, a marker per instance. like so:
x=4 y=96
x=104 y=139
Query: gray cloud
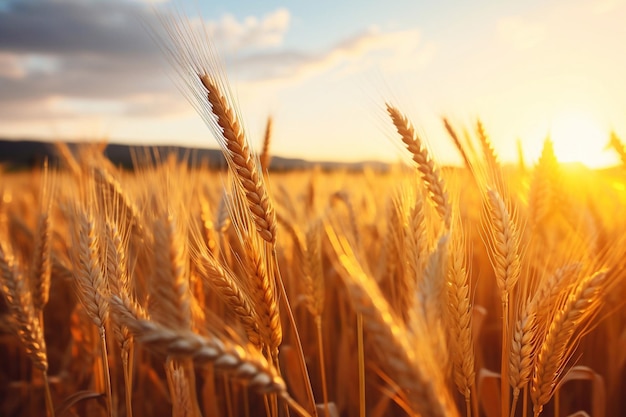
x=74 y=48
x=75 y=27
x=104 y=51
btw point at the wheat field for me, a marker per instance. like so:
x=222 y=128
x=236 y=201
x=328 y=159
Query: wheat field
x=176 y=289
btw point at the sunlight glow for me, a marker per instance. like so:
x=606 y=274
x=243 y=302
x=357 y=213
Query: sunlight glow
x=577 y=137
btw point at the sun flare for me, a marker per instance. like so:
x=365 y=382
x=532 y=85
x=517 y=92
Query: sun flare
x=577 y=137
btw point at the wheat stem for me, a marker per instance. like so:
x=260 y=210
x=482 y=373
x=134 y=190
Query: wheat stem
x=107 y=375
x=361 y=362
x=48 y=395
x=320 y=348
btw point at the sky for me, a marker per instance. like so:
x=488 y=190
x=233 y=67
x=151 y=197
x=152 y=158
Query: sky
x=85 y=70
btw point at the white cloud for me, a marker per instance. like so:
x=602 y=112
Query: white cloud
x=390 y=52
x=91 y=60
x=251 y=32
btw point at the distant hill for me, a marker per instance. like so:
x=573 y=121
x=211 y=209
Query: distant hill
x=18 y=154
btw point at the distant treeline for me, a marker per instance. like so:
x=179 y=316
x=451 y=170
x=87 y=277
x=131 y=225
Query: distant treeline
x=25 y=154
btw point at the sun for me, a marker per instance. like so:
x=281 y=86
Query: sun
x=577 y=137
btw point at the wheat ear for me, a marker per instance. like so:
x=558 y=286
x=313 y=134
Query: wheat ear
x=199 y=68
x=413 y=365
x=504 y=254
x=169 y=289
x=416 y=245
x=459 y=320
x=542 y=194
x=489 y=153
x=263 y=292
x=225 y=285
x=260 y=285
x=560 y=340
x=90 y=282
x=503 y=242
x=457 y=142
x=266 y=157
x=241 y=160
x=119 y=283
x=244 y=363
x=41 y=265
x=24 y=318
x=313 y=273
x=112 y=190
x=522 y=353
x=425 y=165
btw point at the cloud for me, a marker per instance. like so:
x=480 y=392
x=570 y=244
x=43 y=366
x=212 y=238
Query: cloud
x=78 y=49
x=387 y=51
x=251 y=32
x=102 y=50
x=520 y=33
x=74 y=58
x=75 y=27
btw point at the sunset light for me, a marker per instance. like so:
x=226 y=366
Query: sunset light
x=578 y=138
